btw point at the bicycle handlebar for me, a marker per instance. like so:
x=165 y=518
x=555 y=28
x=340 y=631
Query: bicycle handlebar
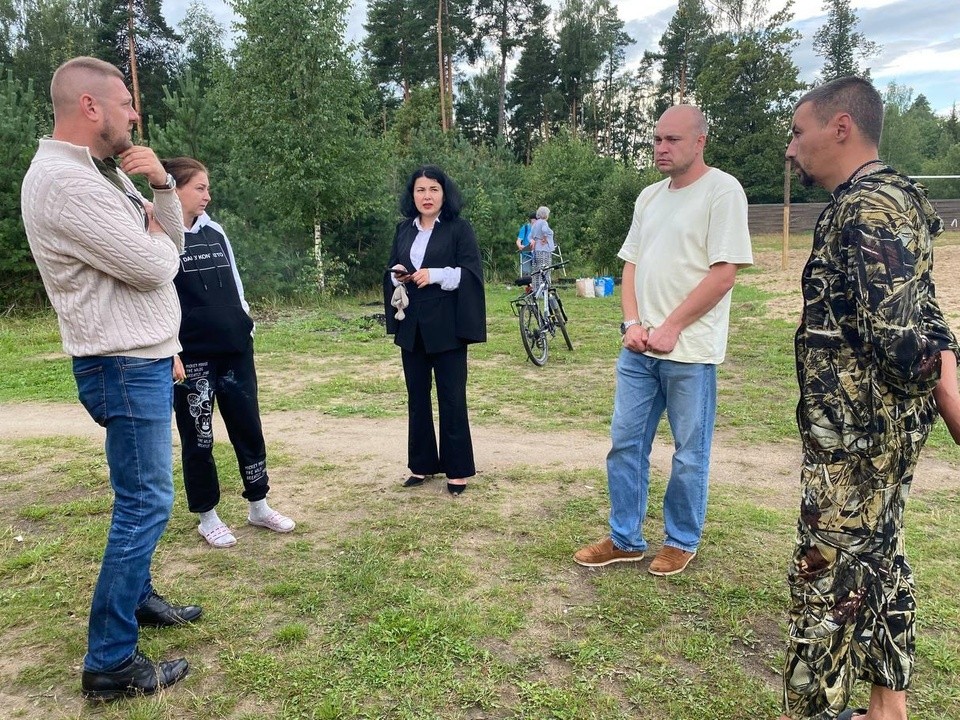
x=541 y=271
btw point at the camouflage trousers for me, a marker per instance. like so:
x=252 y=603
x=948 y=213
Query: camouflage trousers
x=852 y=608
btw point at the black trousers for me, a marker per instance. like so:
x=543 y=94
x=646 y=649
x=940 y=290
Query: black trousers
x=231 y=379
x=449 y=369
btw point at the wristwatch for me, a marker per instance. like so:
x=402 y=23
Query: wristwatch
x=627 y=324
x=170 y=184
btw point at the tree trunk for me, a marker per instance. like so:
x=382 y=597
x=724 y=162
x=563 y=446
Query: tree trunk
x=318 y=256
x=440 y=68
x=133 y=71
x=502 y=78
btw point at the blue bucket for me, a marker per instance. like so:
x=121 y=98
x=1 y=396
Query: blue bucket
x=603 y=286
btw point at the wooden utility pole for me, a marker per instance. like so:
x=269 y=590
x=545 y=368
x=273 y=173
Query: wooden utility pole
x=133 y=70
x=785 y=255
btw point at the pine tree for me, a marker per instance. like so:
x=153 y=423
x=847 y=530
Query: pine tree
x=478 y=106
x=839 y=43
x=683 y=48
x=156 y=48
x=746 y=89
x=19 y=280
x=535 y=105
x=504 y=22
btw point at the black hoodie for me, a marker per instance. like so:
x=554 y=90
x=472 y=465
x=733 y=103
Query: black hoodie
x=215 y=315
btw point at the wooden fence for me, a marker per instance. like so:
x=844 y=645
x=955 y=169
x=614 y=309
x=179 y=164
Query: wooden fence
x=768 y=219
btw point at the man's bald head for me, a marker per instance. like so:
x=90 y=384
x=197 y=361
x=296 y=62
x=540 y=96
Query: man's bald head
x=688 y=113
x=678 y=141
x=77 y=77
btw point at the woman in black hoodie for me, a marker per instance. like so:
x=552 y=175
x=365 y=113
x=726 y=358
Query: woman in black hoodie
x=216 y=333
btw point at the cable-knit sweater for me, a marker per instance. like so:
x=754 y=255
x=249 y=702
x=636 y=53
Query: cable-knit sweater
x=109 y=280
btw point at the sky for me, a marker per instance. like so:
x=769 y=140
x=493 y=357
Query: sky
x=920 y=39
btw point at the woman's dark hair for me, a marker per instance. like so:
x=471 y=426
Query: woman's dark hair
x=452 y=201
x=183 y=168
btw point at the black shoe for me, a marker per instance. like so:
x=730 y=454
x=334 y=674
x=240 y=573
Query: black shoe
x=413 y=481
x=155 y=611
x=455 y=489
x=140 y=676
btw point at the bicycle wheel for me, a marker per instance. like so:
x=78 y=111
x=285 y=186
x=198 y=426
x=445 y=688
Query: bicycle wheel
x=534 y=339
x=560 y=318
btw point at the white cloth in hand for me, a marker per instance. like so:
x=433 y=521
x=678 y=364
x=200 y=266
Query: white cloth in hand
x=400 y=301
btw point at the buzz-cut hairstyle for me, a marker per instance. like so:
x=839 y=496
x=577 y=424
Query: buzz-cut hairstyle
x=853 y=95
x=63 y=86
x=699 y=119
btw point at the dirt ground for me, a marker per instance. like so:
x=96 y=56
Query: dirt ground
x=766 y=472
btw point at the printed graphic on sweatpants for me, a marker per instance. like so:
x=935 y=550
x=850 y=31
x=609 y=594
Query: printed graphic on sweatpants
x=255 y=473
x=200 y=402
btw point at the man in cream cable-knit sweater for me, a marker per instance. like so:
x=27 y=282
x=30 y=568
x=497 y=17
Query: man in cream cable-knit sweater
x=110 y=280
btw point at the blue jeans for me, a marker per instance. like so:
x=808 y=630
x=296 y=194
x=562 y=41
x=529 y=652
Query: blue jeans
x=645 y=387
x=133 y=399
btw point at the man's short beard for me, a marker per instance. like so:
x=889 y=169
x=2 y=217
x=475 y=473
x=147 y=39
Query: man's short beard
x=116 y=144
x=805 y=179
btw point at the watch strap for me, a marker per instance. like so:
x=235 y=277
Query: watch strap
x=170 y=184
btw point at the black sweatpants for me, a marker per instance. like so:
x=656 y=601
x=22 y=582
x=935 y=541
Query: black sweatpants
x=231 y=380
x=449 y=368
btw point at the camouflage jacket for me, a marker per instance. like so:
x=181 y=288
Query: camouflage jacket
x=868 y=346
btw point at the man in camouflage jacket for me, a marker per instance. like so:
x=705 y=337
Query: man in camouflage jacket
x=875 y=362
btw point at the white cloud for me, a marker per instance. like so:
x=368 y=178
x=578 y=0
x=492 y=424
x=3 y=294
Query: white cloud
x=918 y=61
x=638 y=9
x=803 y=9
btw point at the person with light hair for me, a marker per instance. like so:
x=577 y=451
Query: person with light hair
x=108 y=265
x=541 y=237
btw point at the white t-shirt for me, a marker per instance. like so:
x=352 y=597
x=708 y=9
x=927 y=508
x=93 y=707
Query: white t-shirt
x=675 y=237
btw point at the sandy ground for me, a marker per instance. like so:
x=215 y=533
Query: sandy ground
x=375 y=449
x=767 y=471
x=764 y=472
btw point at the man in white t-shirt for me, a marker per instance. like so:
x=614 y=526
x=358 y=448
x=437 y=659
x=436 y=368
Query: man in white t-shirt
x=688 y=238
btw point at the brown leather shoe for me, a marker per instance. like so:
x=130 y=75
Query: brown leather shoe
x=604 y=553
x=670 y=561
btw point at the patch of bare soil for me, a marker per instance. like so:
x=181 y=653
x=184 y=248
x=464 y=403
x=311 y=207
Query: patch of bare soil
x=370 y=454
x=785 y=283
x=764 y=473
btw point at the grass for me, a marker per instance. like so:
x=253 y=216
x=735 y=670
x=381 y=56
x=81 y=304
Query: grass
x=406 y=605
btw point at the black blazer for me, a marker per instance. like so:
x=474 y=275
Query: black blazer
x=446 y=319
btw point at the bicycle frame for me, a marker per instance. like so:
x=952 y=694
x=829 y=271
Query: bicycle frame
x=539 y=323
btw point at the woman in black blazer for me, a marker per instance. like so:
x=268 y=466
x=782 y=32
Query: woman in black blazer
x=434 y=305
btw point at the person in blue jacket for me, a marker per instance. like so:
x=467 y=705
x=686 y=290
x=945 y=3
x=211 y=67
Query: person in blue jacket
x=435 y=308
x=216 y=333
x=525 y=245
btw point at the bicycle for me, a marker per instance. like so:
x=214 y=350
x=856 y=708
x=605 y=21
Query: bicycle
x=540 y=313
